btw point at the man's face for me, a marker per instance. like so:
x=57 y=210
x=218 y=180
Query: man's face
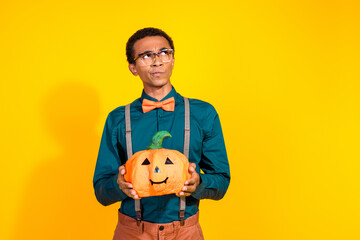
x=157 y=74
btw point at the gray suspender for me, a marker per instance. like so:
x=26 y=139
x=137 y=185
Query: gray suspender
x=128 y=131
x=130 y=153
x=187 y=128
x=186 y=153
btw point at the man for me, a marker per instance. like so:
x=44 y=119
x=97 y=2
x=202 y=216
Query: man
x=150 y=53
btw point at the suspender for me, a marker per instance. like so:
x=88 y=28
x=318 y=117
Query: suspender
x=187 y=128
x=129 y=154
x=128 y=131
x=186 y=153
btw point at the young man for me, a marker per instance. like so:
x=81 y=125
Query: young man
x=150 y=53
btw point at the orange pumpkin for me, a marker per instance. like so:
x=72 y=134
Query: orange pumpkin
x=157 y=171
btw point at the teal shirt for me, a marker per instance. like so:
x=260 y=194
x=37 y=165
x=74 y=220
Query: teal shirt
x=207 y=151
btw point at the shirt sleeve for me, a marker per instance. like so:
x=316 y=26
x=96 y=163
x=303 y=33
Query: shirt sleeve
x=215 y=180
x=105 y=184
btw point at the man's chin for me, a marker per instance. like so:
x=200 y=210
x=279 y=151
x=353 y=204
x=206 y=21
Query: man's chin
x=159 y=83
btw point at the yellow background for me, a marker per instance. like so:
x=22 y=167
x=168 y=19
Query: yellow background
x=283 y=76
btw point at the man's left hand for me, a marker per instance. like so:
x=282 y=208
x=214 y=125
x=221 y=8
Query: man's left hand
x=190 y=184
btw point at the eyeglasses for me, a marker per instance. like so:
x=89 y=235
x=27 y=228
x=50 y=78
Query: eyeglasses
x=148 y=58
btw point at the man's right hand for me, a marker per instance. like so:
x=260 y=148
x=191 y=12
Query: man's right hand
x=126 y=187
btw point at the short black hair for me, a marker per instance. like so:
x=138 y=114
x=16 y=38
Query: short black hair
x=140 y=34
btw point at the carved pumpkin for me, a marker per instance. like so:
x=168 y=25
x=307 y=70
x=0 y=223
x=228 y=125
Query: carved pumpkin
x=157 y=171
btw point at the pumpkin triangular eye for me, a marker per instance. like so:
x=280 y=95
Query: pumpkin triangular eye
x=168 y=161
x=146 y=162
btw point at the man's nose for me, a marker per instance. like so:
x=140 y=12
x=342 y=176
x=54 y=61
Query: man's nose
x=157 y=61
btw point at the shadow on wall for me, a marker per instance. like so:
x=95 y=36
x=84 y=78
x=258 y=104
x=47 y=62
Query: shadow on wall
x=59 y=201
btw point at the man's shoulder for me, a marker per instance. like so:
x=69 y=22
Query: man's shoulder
x=116 y=116
x=201 y=105
x=117 y=112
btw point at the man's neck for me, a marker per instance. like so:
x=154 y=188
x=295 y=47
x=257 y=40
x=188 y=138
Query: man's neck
x=158 y=92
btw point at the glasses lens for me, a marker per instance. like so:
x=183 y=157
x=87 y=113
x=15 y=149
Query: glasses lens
x=147 y=58
x=165 y=55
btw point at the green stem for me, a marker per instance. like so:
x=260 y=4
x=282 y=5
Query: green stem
x=157 y=139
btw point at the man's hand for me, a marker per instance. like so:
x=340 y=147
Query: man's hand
x=190 y=184
x=126 y=187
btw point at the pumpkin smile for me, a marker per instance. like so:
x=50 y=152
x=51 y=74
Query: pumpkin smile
x=152 y=182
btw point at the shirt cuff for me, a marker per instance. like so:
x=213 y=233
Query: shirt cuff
x=200 y=188
x=119 y=192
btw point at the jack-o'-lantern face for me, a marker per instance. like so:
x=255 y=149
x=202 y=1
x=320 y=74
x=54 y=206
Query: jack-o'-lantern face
x=157 y=172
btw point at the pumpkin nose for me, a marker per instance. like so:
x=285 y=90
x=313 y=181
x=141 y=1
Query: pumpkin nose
x=157 y=170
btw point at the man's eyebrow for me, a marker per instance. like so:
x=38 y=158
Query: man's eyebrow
x=163 y=48
x=145 y=52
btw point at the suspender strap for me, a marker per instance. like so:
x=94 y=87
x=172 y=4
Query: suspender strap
x=186 y=153
x=129 y=154
x=182 y=211
x=128 y=131
x=187 y=128
x=138 y=211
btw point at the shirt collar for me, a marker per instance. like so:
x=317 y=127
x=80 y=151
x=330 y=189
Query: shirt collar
x=172 y=93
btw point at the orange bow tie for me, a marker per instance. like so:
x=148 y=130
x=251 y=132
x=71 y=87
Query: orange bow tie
x=167 y=105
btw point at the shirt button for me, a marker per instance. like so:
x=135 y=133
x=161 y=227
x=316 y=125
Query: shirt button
x=159 y=116
x=161 y=228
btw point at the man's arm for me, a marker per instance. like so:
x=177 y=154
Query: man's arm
x=215 y=180
x=106 y=188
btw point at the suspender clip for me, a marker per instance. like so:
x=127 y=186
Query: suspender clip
x=181 y=216
x=138 y=217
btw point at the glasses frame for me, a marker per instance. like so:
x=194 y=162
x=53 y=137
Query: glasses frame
x=154 y=55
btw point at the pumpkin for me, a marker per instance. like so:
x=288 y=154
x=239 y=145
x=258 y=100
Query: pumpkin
x=157 y=171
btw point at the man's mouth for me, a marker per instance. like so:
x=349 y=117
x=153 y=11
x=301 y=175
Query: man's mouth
x=152 y=182
x=157 y=73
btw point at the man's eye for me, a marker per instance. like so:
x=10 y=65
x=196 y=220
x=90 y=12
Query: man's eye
x=147 y=55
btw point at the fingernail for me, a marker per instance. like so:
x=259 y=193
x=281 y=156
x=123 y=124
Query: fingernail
x=186 y=182
x=184 y=188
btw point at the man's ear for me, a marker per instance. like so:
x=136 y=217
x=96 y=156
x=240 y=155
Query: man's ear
x=132 y=69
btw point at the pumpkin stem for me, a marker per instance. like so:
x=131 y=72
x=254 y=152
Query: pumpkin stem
x=157 y=139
